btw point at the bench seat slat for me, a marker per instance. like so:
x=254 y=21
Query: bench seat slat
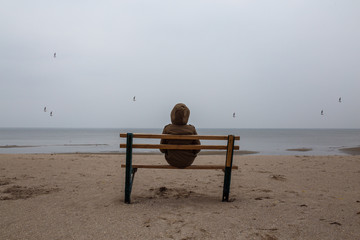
x=182 y=137
x=179 y=147
x=171 y=167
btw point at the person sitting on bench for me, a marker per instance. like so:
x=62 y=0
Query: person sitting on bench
x=179 y=118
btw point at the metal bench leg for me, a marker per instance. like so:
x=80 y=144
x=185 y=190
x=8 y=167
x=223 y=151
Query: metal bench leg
x=129 y=184
x=228 y=166
x=226 y=188
x=129 y=173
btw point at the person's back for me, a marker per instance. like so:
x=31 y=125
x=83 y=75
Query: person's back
x=179 y=118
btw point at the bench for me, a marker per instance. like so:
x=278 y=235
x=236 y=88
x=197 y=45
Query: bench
x=131 y=169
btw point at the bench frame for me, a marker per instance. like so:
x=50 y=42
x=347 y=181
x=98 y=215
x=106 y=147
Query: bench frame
x=132 y=169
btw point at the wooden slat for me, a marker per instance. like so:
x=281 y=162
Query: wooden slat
x=179 y=147
x=171 y=167
x=182 y=137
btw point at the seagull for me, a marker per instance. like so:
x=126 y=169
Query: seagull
x=233 y=115
x=54 y=55
x=44 y=109
x=322 y=112
x=51 y=114
x=134 y=99
x=339 y=99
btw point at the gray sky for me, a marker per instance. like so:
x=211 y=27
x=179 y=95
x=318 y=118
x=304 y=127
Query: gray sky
x=276 y=64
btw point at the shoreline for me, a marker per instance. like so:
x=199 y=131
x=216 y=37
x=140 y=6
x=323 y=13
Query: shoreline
x=287 y=152
x=256 y=141
x=56 y=145
x=342 y=152
x=351 y=151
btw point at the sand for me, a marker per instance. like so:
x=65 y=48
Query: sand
x=80 y=196
x=352 y=151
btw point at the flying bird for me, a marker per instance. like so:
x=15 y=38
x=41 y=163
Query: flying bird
x=233 y=115
x=51 y=114
x=322 y=112
x=54 y=55
x=44 y=109
x=134 y=99
x=339 y=99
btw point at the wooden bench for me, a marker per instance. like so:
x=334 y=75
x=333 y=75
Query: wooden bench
x=131 y=169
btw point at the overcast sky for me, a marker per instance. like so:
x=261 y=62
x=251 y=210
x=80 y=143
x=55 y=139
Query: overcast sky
x=276 y=64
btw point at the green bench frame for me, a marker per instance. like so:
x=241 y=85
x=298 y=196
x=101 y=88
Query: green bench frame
x=131 y=169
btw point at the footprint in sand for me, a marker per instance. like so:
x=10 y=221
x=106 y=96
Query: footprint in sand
x=5 y=181
x=335 y=223
x=164 y=192
x=19 y=192
x=261 y=198
x=178 y=227
x=264 y=190
x=278 y=177
x=262 y=236
x=147 y=223
x=292 y=192
x=331 y=223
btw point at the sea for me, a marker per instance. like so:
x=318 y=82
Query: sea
x=107 y=140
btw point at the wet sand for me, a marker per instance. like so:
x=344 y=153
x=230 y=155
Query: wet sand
x=352 y=151
x=80 y=196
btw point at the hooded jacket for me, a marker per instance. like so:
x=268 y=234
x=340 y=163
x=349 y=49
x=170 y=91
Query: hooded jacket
x=179 y=118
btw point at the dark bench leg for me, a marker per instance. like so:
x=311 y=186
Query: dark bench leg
x=226 y=188
x=129 y=172
x=228 y=166
x=129 y=184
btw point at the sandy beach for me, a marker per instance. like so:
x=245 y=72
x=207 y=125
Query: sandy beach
x=80 y=196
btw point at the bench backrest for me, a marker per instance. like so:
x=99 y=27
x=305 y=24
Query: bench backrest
x=180 y=137
x=229 y=147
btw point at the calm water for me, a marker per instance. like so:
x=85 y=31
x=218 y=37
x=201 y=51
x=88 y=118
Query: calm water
x=264 y=141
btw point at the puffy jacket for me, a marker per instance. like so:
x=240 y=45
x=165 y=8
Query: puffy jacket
x=179 y=118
